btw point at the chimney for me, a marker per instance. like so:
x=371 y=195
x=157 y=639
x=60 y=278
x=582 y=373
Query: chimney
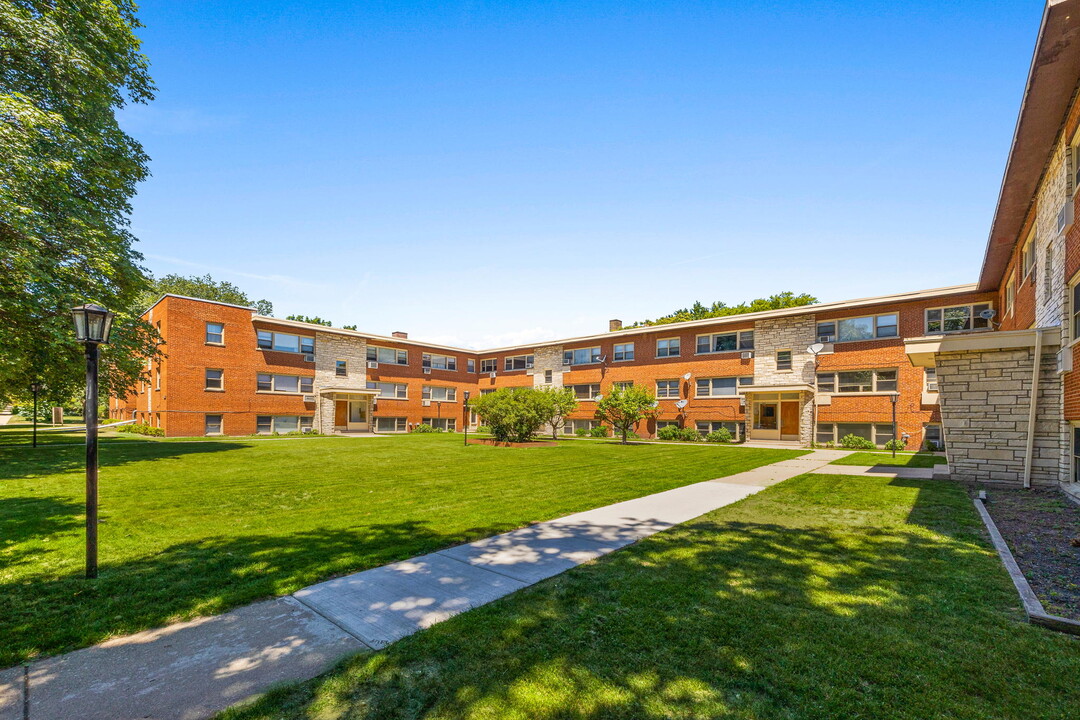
x=399 y=334
x=614 y=325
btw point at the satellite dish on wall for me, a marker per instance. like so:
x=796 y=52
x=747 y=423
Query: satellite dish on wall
x=988 y=314
x=681 y=404
x=655 y=403
x=815 y=348
x=687 y=376
x=598 y=398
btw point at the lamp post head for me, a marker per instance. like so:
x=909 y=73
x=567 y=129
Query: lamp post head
x=894 y=397
x=37 y=386
x=466 y=394
x=93 y=324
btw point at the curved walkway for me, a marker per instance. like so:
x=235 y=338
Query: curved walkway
x=191 y=670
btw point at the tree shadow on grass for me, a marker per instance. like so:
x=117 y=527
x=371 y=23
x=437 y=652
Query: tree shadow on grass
x=721 y=619
x=46 y=614
x=19 y=462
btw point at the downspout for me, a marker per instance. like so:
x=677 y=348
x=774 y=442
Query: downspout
x=1032 y=407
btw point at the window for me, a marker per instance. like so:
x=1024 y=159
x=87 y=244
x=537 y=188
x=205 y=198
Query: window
x=624 y=351
x=547 y=377
x=857 y=381
x=470 y=365
x=280 y=424
x=1075 y=296
x=931 y=379
x=1010 y=296
x=389 y=356
x=668 y=347
x=572 y=426
x=861 y=328
x=215 y=379
x=783 y=360
x=489 y=365
x=707 y=426
x=623 y=384
x=157 y=379
x=720 y=387
x=957 y=318
x=285 y=342
x=581 y=356
x=1027 y=259
x=438 y=362
x=518 y=362
x=661 y=424
x=390 y=391
x=877 y=433
x=442 y=394
x=391 y=424
x=1048 y=272
x=341 y=368
x=932 y=434
x=447 y=424
x=726 y=342
x=667 y=389
x=212 y=425
x=265 y=382
x=585 y=392
x=215 y=333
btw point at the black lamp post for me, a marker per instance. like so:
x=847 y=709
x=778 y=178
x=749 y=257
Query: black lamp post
x=894 y=397
x=465 y=394
x=92 y=326
x=35 y=387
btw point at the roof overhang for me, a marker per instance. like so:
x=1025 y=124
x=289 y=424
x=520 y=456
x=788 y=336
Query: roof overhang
x=1051 y=82
x=921 y=351
x=347 y=391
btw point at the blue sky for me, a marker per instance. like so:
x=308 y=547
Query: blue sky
x=482 y=173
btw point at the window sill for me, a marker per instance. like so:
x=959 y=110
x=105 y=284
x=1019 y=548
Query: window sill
x=873 y=339
x=725 y=352
x=214 y=344
x=881 y=393
x=214 y=389
x=283 y=392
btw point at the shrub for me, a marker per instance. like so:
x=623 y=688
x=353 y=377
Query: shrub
x=854 y=442
x=689 y=435
x=142 y=429
x=600 y=431
x=669 y=432
x=483 y=429
x=723 y=435
x=514 y=414
x=425 y=428
x=895 y=445
x=631 y=435
x=932 y=446
x=582 y=432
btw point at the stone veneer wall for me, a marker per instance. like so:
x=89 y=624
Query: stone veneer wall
x=548 y=358
x=984 y=396
x=794 y=334
x=329 y=348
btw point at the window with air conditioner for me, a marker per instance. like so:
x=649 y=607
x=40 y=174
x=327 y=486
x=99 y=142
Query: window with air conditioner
x=489 y=365
x=388 y=356
x=725 y=342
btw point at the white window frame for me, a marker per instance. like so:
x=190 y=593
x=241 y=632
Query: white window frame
x=744 y=340
x=594 y=390
x=300 y=382
x=305 y=344
x=341 y=368
x=1074 y=309
x=448 y=424
x=739 y=381
x=220 y=380
x=438 y=362
x=511 y=362
x=401 y=424
x=666 y=350
x=470 y=365
x=220 y=424
x=220 y=333
x=622 y=352
x=593 y=353
x=976 y=324
x=449 y=394
x=875 y=381
x=489 y=365
x=396 y=388
x=830 y=329
x=1027 y=258
x=787 y=365
x=879 y=438
x=382 y=355
x=666 y=393
x=930 y=382
x=1010 y=295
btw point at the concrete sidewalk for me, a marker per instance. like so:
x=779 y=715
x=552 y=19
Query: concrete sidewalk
x=938 y=472
x=193 y=669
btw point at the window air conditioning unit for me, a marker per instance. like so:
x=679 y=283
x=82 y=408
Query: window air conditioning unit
x=372 y=365
x=427 y=371
x=309 y=398
x=826 y=338
x=1065 y=216
x=425 y=403
x=492 y=375
x=305 y=430
x=1064 y=360
x=309 y=357
x=747 y=354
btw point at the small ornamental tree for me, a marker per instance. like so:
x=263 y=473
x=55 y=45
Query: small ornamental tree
x=624 y=406
x=513 y=414
x=561 y=402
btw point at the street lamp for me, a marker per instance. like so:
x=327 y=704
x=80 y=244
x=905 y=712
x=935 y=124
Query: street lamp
x=465 y=394
x=894 y=397
x=92 y=326
x=35 y=387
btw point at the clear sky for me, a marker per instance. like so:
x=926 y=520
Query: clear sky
x=487 y=173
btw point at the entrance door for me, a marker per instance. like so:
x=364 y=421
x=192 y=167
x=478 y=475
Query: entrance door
x=766 y=421
x=341 y=414
x=789 y=420
x=358 y=415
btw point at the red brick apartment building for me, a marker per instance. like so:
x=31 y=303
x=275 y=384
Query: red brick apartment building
x=988 y=369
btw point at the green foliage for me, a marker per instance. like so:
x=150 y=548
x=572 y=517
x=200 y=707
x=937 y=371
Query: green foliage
x=582 y=432
x=669 y=433
x=204 y=288
x=483 y=429
x=700 y=311
x=514 y=414
x=425 y=428
x=723 y=435
x=895 y=445
x=854 y=442
x=142 y=429
x=624 y=406
x=348 y=327
x=600 y=431
x=313 y=320
x=560 y=403
x=67 y=176
x=932 y=446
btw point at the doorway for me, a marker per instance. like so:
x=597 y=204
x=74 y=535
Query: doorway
x=358 y=415
x=789 y=420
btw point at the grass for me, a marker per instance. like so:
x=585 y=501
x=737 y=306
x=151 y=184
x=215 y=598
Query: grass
x=195 y=528
x=911 y=460
x=821 y=597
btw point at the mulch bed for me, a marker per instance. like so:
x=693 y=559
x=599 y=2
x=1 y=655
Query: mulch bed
x=496 y=443
x=1041 y=527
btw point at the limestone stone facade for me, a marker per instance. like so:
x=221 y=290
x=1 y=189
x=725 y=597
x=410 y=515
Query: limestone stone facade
x=791 y=333
x=985 y=397
x=548 y=359
x=329 y=348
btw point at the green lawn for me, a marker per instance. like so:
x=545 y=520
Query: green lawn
x=911 y=460
x=821 y=597
x=190 y=528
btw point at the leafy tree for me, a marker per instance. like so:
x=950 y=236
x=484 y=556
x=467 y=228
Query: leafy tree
x=313 y=320
x=67 y=176
x=204 y=288
x=348 y=327
x=699 y=311
x=624 y=406
x=514 y=414
x=561 y=402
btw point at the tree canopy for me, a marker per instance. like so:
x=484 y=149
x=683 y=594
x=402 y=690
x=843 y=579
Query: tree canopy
x=624 y=406
x=700 y=311
x=313 y=320
x=67 y=176
x=204 y=288
x=514 y=414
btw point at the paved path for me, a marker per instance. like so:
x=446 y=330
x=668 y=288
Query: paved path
x=896 y=471
x=193 y=669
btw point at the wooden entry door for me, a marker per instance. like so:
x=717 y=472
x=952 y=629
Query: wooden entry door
x=789 y=420
x=341 y=414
